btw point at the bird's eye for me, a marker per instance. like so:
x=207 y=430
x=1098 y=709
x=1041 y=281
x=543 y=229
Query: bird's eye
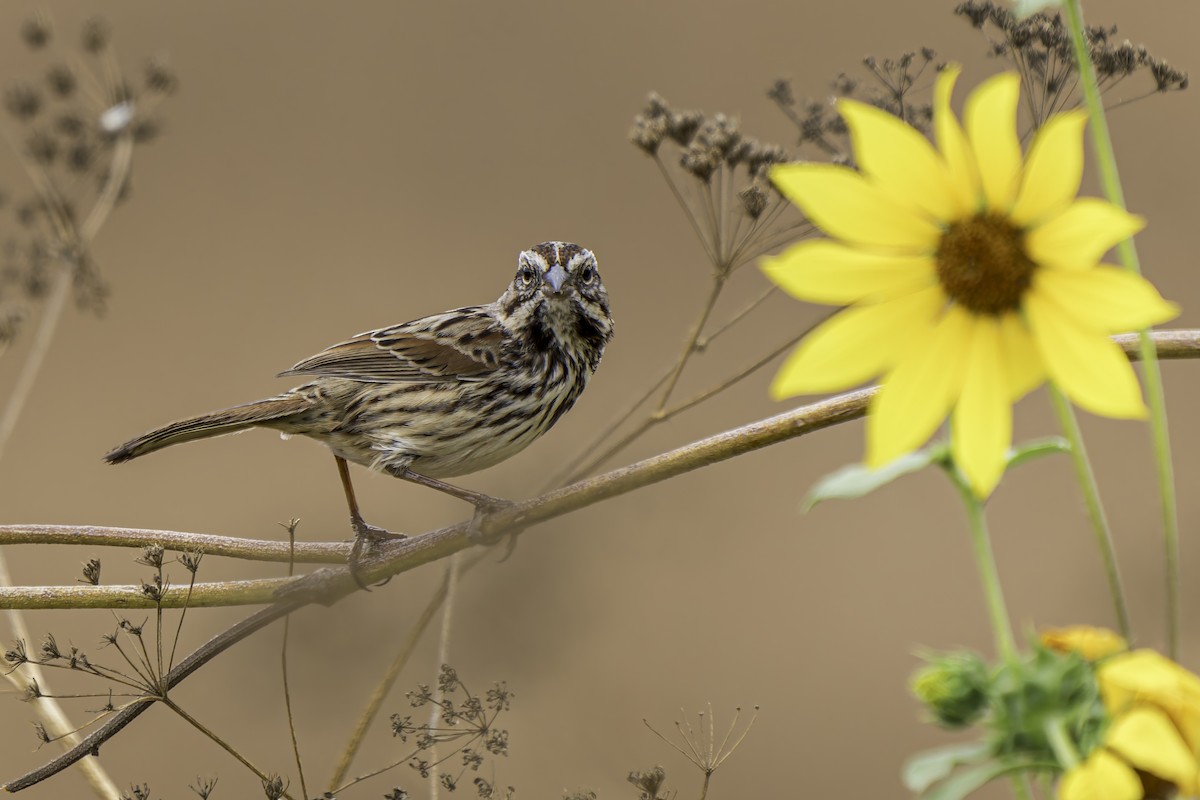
x=526 y=276
x=588 y=276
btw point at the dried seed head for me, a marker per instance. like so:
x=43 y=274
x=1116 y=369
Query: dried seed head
x=49 y=649
x=145 y=130
x=648 y=132
x=683 y=125
x=91 y=572
x=31 y=691
x=754 y=201
x=80 y=157
x=160 y=79
x=36 y=32
x=650 y=782
x=204 y=787
x=700 y=160
x=96 y=35
x=274 y=787
x=70 y=124
x=42 y=148
x=152 y=556
x=781 y=92
x=61 y=80
x=191 y=560
x=16 y=654
x=23 y=102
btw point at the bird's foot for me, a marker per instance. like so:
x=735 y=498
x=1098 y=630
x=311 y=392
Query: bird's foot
x=478 y=531
x=366 y=537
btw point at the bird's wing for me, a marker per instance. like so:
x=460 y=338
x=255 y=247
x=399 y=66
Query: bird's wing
x=463 y=344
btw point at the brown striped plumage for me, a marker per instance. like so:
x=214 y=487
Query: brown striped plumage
x=442 y=395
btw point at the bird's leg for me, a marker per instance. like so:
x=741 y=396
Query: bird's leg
x=364 y=535
x=477 y=499
x=484 y=503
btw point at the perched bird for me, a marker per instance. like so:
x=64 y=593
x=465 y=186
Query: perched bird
x=443 y=395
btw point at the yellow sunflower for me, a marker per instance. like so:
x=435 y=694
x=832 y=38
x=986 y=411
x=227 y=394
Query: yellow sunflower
x=971 y=273
x=1152 y=745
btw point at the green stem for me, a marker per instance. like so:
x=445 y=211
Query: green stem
x=1110 y=180
x=1060 y=742
x=989 y=576
x=1095 y=509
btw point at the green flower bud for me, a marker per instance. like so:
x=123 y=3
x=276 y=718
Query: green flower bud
x=954 y=687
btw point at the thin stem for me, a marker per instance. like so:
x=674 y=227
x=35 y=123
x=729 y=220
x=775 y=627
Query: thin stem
x=1095 y=509
x=737 y=377
x=47 y=326
x=283 y=665
x=230 y=546
x=1060 y=741
x=985 y=560
x=718 y=285
x=57 y=723
x=381 y=691
x=1110 y=180
x=443 y=658
x=704 y=341
x=228 y=748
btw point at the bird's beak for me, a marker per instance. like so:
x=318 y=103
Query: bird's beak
x=556 y=276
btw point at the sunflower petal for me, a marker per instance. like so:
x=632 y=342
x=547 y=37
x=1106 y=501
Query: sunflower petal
x=1105 y=298
x=1053 y=169
x=952 y=142
x=991 y=121
x=918 y=393
x=824 y=271
x=1102 y=776
x=1078 y=237
x=847 y=205
x=1145 y=676
x=857 y=344
x=1023 y=364
x=1083 y=362
x=982 y=429
x=901 y=161
x=1147 y=739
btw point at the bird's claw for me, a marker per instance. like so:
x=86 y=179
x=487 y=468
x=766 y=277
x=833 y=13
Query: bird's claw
x=365 y=537
x=477 y=532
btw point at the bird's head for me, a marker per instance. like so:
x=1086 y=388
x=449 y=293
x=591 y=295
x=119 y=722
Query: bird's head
x=557 y=293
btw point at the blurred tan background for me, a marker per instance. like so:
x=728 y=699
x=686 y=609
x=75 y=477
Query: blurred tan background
x=327 y=168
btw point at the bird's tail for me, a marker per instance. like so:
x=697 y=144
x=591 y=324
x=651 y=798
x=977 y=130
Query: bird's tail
x=216 y=423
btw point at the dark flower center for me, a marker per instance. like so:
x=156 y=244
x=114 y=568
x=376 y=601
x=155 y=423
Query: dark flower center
x=982 y=264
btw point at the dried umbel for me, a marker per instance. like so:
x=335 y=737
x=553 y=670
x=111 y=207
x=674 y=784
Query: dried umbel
x=74 y=125
x=1039 y=47
x=718 y=174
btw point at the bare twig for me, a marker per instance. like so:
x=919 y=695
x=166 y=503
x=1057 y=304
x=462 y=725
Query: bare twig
x=231 y=546
x=283 y=666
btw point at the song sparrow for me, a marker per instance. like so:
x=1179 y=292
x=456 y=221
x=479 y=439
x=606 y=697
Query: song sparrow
x=443 y=395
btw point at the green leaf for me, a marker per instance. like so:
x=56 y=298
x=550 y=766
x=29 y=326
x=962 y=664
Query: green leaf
x=969 y=780
x=857 y=480
x=1037 y=448
x=925 y=769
